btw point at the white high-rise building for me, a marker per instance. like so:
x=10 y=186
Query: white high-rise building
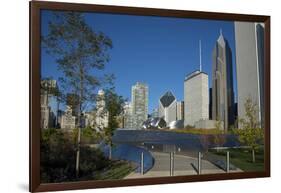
x=196 y=98
x=128 y=119
x=249 y=42
x=168 y=107
x=101 y=113
x=196 y=95
x=180 y=110
x=139 y=104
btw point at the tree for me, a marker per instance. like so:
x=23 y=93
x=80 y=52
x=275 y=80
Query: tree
x=114 y=106
x=219 y=140
x=250 y=134
x=57 y=160
x=205 y=142
x=88 y=136
x=218 y=124
x=78 y=51
x=219 y=136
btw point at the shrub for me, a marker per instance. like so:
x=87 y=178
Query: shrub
x=58 y=158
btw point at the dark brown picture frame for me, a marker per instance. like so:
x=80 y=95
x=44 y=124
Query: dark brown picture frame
x=34 y=177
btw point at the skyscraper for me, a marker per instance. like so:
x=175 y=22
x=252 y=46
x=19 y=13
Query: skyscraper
x=222 y=90
x=249 y=40
x=210 y=104
x=48 y=118
x=139 y=104
x=101 y=112
x=180 y=110
x=128 y=115
x=168 y=107
x=196 y=98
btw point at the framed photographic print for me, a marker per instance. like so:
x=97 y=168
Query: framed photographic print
x=123 y=96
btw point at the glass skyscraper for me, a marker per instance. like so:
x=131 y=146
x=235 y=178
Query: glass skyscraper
x=222 y=81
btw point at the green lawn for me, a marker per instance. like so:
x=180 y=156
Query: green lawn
x=242 y=158
x=198 y=131
x=118 y=170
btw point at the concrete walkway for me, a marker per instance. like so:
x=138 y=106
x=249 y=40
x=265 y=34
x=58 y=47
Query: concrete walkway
x=182 y=166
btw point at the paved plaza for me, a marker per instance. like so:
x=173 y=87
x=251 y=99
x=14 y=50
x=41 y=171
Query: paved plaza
x=182 y=166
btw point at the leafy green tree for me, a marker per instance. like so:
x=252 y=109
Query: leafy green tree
x=219 y=124
x=219 y=137
x=114 y=106
x=250 y=133
x=58 y=160
x=88 y=132
x=56 y=152
x=79 y=51
x=89 y=135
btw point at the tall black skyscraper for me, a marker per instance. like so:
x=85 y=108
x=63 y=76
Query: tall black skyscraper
x=222 y=88
x=210 y=104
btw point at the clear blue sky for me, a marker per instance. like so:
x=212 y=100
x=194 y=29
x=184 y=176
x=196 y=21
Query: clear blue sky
x=158 y=51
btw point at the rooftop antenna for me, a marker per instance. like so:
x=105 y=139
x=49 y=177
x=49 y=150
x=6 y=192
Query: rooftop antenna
x=200 y=57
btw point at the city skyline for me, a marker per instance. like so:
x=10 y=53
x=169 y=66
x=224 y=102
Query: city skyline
x=154 y=54
x=124 y=96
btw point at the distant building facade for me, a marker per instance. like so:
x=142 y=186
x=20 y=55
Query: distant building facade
x=208 y=124
x=128 y=115
x=48 y=118
x=168 y=107
x=139 y=104
x=222 y=83
x=196 y=98
x=155 y=113
x=180 y=110
x=90 y=118
x=101 y=113
x=72 y=100
x=68 y=121
x=249 y=41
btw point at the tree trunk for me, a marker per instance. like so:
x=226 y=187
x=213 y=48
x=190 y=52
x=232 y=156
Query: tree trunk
x=47 y=102
x=110 y=152
x=80 y=100
x=78 y=141
x=58 y=107
x=78 y=152
x=253 y=156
